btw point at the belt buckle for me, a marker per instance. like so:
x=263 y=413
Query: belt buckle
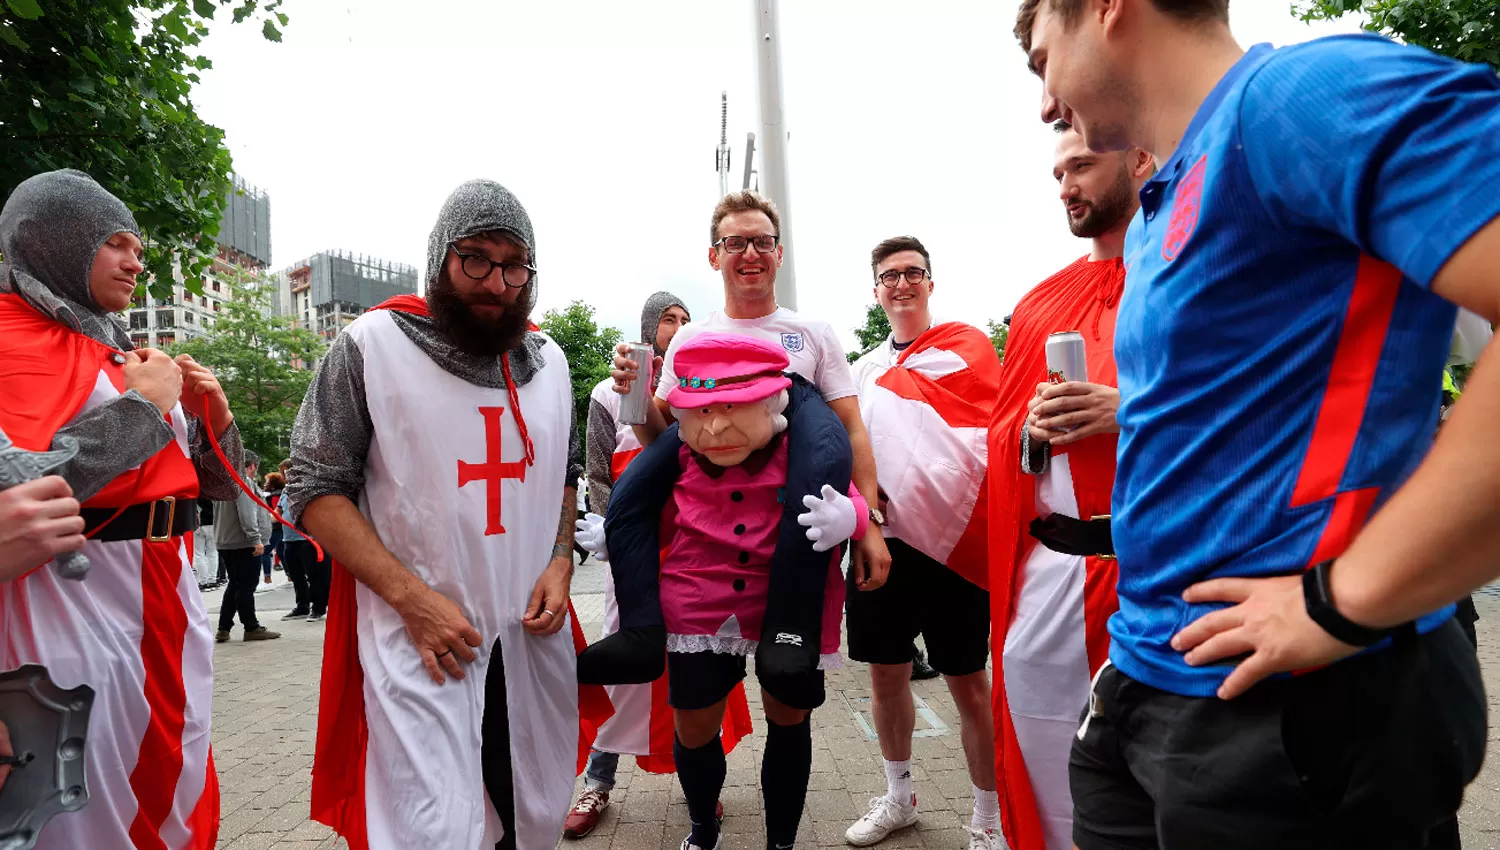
x=151 y=535
x=1102 y=518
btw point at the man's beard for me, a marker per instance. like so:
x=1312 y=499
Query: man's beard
x=1105 y=213
x=454 y=316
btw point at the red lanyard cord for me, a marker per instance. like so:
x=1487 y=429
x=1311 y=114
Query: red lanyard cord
x=515 y=409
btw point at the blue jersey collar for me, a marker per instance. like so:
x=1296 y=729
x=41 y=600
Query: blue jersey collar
x=1210 y=105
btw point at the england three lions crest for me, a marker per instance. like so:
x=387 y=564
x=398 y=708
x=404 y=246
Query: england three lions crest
x=792 y=342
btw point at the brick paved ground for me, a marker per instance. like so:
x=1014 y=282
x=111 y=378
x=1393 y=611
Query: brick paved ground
x=265 y=715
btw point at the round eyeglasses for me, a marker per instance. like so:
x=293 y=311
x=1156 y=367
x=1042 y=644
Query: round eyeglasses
x=738 y=244
x=913 y=275
x=479 y=267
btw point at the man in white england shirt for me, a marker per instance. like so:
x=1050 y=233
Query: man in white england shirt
x=746 y=250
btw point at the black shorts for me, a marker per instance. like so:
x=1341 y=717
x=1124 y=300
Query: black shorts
x=1370 y=753
x=699 y=679
x=921 y=596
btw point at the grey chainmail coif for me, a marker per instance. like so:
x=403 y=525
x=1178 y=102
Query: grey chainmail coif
x=481 y=206
x=51 y=228
x=656 y=305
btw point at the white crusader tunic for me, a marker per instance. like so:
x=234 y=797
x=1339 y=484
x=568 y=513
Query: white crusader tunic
x=423 y=776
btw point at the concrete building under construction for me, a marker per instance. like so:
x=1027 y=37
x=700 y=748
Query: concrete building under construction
x=244 y=243
x=328 y=290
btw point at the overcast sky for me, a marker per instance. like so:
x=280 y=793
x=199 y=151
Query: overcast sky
x=603 y=117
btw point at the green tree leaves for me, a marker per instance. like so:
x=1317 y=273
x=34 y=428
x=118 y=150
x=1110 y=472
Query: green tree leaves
x=590 y=351
x=1468 y=30
x=263 y=363
x=103 y=86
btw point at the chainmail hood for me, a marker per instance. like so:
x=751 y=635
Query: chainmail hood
x=480 y=206
x=51 y=228
x=656 y=305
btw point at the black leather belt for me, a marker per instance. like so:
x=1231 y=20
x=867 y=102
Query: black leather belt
x=157 y=521
x=1088 y=538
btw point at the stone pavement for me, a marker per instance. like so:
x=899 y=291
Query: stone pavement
x=265 y=716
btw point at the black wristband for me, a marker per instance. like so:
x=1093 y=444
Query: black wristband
x=1319 y=599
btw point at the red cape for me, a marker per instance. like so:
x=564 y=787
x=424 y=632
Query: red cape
x=1083 y=297
x=338 y=786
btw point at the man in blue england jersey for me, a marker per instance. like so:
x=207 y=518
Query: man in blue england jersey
x=1280 y=504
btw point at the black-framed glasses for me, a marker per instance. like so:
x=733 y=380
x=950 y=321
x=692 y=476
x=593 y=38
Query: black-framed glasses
x=738 y=244
x=913 y=275
x=479 y=267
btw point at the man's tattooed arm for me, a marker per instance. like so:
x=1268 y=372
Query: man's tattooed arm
x=566 y=527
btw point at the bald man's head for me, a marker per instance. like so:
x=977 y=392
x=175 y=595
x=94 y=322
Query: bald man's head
x=1100 y=190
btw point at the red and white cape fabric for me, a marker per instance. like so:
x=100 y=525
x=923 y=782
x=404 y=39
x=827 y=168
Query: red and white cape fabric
x=1048 y=609
x=397 y=762
x=642 y=723
x=135 y=630
x=927 y=411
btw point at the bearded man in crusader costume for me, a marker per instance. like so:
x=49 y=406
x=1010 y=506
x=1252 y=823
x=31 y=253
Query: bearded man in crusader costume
x=434 y=457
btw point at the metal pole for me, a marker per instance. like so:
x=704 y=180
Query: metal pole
x=773 y=132
x=721 y=156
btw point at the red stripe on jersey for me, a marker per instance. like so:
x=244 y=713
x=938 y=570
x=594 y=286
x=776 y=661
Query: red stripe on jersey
x=158 y=767
x=1350 y=510
x=1366 y=323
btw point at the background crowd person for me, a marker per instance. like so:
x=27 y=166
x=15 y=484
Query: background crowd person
x=243 y=531
x=271 y=559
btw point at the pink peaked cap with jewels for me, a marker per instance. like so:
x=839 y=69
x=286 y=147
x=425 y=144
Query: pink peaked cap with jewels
x=716 y=368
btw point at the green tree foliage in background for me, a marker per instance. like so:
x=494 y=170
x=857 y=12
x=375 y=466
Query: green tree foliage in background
x=102 y=86
x=264 y=364
x=1464 y=29
x=998 y=335
x=590 y=351
x=876 y=328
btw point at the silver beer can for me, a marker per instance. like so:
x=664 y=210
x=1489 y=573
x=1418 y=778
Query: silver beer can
x=637 y=403
x=1066 y=358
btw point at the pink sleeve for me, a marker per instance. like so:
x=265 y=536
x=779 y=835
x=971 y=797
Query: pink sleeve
x=861 y=512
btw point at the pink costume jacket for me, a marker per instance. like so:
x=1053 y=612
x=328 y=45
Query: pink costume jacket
x=720 y=539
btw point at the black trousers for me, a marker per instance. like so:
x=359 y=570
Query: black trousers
x=296 y=571
x=494 y=748
x=239 y=598
x=1371 y=753
x=309 y=575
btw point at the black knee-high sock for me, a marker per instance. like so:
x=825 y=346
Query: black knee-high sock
x=701 y=771
x=784 y=772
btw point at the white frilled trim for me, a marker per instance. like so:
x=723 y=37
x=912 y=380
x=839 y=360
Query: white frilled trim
x=724 y=645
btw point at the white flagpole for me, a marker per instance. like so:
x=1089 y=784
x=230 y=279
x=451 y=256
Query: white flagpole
x=773 y=139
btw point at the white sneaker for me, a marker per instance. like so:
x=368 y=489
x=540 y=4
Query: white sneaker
x=884 y=817
x=985 y=839
x=687 y=843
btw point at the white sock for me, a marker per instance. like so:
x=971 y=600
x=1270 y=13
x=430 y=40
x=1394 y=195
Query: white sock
x=898 y=782
x=986 y=808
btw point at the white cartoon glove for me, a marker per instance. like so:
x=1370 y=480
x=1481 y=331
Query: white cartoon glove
x=830 y=520
x=591 y=536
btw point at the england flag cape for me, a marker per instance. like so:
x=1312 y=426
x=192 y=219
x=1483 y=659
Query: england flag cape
x=135 y=629
x=927 y=418
x=642 y=723
x=1048 y=610
x=398 y=758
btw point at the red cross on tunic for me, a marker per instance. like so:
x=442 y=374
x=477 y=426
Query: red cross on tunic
x=493 y=471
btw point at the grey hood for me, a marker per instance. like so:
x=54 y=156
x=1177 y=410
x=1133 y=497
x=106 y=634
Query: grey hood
x=479 y=206
x=51 y=228
x=657 y=304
